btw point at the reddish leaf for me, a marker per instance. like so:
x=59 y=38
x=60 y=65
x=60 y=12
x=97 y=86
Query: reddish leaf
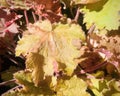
x=2 y=13
x=48 y=9
x=53 y=5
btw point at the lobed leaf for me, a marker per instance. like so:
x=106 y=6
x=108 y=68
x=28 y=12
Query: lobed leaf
x=72 y=87
x=104 y=14
x=50 y=45
x=28 y=88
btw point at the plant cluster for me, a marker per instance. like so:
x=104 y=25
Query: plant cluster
x=70 y=47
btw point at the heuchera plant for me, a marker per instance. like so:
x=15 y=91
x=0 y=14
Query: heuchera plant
x=71 y=47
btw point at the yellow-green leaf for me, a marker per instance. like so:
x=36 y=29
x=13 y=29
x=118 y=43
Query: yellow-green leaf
x=50 y=48
x=35 y=63
x=72 y=87
x=104 y=14
x=85 y=1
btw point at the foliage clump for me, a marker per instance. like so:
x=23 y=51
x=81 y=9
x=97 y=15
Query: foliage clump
x=73 y=53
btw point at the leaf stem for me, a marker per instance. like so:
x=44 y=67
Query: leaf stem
x=93 y=68
x=92 y=28
x=26 y=17
x=77 y=15
x=34 y=17
x=7 y=82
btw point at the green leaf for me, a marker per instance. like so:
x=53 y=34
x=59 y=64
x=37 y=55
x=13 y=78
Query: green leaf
x=25 y=44
x=104 y=87
x=72 y=87
x=97 y=86
x=23 y=77
x=116 y=94
x=44 y=25
x=8 y=74
x=49 y=67
x=35 y=63
x=3 y=3
x=104 y=14
x=85 y=1
x=70 y=3
x=28 y=88
x=50 y=47
x=67 y=52
x=19 y=4
x=113 y=88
